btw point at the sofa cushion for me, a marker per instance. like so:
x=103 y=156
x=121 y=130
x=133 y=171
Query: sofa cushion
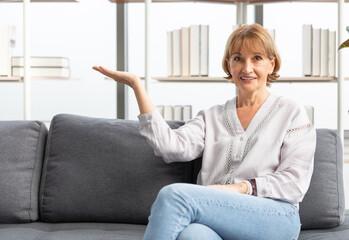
x=323 y=205
x=102 y=170
x=22 y=145
x=71 y=231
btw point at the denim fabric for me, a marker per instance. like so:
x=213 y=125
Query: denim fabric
x=229 y=215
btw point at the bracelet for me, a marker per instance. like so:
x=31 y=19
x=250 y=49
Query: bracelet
x=253 y=186
x=249 y=187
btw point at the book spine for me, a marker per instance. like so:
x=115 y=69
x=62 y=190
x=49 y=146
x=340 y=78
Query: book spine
x=316 y=53
x=176 y=57
x=178 y=113
x=332 y=54
x=307 y=40
x=324 y=53
x=185 y=54
x=204 y=50
x=187 y=112
x=42 y=62
x=194 y=49
x=169 y=54
x=168 y=112
x=160 y=109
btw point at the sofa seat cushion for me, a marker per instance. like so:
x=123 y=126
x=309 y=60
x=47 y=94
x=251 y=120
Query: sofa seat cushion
x=22 y=145
x=341 y=232
x=71 y=231
x=102 y=170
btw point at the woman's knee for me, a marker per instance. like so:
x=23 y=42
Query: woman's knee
x=172 y=191
x=196 y=231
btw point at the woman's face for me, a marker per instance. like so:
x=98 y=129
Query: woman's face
x=250 y=70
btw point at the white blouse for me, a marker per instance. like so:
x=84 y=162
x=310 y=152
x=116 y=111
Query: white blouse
x=277 y=149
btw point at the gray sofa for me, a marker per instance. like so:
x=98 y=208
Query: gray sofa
x=90 y=178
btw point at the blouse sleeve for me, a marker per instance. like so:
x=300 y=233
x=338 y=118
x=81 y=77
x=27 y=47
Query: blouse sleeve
x=174 y=145
x=291 y=179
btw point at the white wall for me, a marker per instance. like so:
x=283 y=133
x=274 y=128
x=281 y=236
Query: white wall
x=84 y=32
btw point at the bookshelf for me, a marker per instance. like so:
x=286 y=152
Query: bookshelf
x=241 y=19
x=26 y=53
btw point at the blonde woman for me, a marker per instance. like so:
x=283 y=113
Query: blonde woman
x=257 y=153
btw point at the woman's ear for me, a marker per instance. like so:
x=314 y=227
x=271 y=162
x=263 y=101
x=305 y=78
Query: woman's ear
x=272 y=66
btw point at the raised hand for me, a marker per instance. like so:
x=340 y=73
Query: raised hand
x=127 y=78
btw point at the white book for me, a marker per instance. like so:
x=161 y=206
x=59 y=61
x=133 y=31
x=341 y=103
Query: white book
x=43 y=72
x=307 y=41
x=316 y=52
x=185 y=54
x=169 y=54
x=42 y=62
x=332 y=54
x=194 y=49
x=204 y=45
x=7 y=44
x=187 y=112
x=324 y=53
x=177 y=113
x=160 y=109
x=176 y=57
x=168 y=112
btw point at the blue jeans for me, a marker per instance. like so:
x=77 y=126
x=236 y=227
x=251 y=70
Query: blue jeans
x=188 y=212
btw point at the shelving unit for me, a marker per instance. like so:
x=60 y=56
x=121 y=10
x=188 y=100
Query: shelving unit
x=26 y=53
x=221 y=79
x=241 y=19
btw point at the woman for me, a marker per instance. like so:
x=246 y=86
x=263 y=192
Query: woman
x=258 y=151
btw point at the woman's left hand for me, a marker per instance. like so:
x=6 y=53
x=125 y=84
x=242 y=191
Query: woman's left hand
x=237 y=187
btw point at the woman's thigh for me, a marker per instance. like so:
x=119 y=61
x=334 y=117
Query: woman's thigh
x=196 y=231
x=234 y=215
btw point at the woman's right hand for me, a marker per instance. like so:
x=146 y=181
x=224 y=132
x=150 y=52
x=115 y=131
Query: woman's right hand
x=127 y=78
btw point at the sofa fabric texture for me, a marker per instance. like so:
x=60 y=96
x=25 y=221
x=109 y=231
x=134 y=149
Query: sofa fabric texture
x=323 y=206
x=21 y=152
x=102 y=170
x=92 y=178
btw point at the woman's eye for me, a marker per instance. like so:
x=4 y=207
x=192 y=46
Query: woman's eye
x=258 y=57
x=236 y=59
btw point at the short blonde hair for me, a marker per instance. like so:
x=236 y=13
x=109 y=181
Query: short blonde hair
x=254 y=37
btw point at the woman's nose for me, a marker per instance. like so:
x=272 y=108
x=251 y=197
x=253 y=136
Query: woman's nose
x=248 y=66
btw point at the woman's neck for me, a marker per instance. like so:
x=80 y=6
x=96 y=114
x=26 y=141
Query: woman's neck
x=250 y=100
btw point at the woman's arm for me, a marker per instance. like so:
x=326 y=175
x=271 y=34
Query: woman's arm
x=132 y=80
x=182 y=144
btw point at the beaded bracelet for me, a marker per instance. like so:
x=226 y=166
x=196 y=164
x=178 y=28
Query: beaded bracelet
x=253 y=187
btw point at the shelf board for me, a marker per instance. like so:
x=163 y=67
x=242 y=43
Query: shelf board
x=10 y=79
x=41 y=0
x=225 y=1
x=221 y=79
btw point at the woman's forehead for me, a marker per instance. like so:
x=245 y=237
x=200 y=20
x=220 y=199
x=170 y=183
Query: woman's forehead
x=248 y=45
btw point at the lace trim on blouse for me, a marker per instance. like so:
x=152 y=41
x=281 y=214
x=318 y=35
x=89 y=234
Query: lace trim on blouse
x=304 y=127
x=231 y=130
x=229 y=126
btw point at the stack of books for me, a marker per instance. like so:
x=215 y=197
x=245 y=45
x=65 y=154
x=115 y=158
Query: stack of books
x=319 y=52
x=51 y=67
x=187 y=51
x=177 y=112
x=7 y=45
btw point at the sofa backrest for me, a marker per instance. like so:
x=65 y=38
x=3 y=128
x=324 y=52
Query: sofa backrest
x=324 y=206
x=22 y=145
x=102 y=170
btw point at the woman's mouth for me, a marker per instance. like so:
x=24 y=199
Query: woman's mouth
x=247 y=79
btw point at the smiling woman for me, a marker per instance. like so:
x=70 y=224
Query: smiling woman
x=257 y=153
